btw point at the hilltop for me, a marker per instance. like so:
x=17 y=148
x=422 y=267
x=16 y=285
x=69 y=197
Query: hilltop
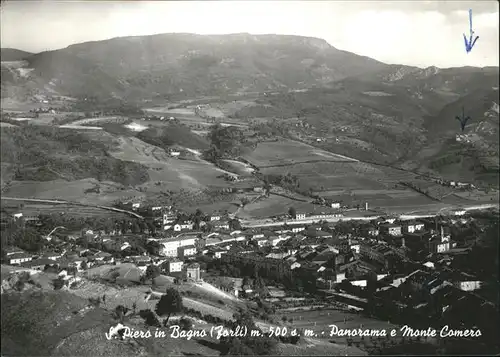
x=186 y=65
x=270 y=87
x=12 y=54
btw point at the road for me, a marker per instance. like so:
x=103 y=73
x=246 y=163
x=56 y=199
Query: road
x=72 y=203
x=444 y=211
x=269 y=223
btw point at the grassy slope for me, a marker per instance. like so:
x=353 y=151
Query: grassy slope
x=13 y=54
x=44 y=154
x=165 y=63
x=45 y=324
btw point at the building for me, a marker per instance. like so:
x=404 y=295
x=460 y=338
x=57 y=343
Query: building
x=221 y=224
x=300 y=216
x=187 y=225
x=270 y=267
x=169 y=247
x=38 y=264
x=262 y=241
x=372 y=231
x=468 y=285
x=218 y=252
x=169 y=219
x=51 y=255
x=391 y=229
x=458 y=212
x=413 y=226
x=19 y=258
x=440 y=243
x=186 y=251
x=215 y=217
x=175 y=266
x=193 y=272
x=335 y=205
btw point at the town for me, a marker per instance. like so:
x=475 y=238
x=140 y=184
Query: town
x=432 y=271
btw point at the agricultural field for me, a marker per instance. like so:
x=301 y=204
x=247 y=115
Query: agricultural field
x=172 y=173
x=278 y=205
x=72 y=191
x=288 y=152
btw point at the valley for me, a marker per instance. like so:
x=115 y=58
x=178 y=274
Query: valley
x=242 y=180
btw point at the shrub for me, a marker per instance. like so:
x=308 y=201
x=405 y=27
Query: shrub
x=150 y=318
x=185 y=324
x=58 y=283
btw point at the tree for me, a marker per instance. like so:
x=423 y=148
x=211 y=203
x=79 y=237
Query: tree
x=186 y=324
x=58 y=283
x=292 y=212
x=120 y=312
x=248 y=345
x=151 y=226
x=234 y=224
x=153 y=247
x=84 y=265
x=169 y=304
x=244 y=201
x=135 y=227
x=149 y=318
x=152 y=271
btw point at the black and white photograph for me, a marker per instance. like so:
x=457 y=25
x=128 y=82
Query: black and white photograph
x=249 y=178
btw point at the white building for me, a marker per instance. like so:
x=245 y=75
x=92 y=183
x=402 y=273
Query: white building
x=175 y=266
x=18 y=258
x=414 y=226
x=459 y=212
x=300 y=216
x=168 y=218
x=171 y=246
x=336 y=205
x=187 y=251
x=184 y=225
x=275 y=240
x=298 y=229
x=469 y=285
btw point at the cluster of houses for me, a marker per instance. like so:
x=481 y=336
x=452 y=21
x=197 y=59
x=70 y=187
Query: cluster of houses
x=78 y=258
x=384 y=250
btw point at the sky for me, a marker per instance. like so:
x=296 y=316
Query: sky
x=418 y=33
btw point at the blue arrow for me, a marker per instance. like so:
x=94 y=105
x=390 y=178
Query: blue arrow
x=469 y=44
